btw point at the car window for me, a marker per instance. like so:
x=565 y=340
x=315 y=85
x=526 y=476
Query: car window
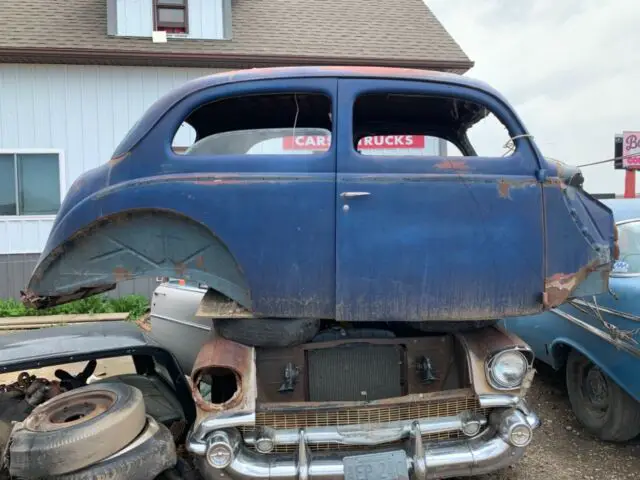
x=427 y=125
x=629 y=242
x=262 y=124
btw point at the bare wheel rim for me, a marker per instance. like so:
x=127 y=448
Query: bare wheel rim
x=65 y=412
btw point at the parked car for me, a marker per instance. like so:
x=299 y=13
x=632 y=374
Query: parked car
x=596 y=340
x=353 y=319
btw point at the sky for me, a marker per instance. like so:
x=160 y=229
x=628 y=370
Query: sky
x=570 y=68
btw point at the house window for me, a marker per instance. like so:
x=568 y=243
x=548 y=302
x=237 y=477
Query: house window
x=170 y=15
x=29 y=183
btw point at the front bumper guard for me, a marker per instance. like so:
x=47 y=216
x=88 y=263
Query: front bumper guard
x=495 y=448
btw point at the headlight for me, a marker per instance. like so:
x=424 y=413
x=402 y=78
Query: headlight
x=507 y=369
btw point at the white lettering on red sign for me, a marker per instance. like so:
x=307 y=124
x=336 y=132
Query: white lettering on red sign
x=631 y=150
x=321 y=142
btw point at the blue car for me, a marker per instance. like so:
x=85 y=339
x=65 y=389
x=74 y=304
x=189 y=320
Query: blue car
x=596 y=340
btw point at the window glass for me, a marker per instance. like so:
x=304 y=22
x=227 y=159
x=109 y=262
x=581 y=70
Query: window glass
x=629 y=243
x=477 y=132
x=7 y=186
x=39 y=184
x=171 y=2
x=271 y=124
x=170 y=15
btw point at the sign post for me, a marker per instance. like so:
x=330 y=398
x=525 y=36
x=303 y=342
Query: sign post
x=627 y=150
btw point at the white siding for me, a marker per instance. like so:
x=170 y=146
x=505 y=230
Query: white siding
x=134 y=18
x=82 y=111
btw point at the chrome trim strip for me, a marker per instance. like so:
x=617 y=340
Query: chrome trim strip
x=611 y=311
x=198 y=435
x=181 y=322
x=498 y=400
x=364 y=434
x=596 y=331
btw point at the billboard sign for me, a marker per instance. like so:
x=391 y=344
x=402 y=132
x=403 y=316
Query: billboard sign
x=631 y=150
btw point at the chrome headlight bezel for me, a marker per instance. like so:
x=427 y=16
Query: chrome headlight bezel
x=527 y=357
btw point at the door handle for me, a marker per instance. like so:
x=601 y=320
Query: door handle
x=354 y=194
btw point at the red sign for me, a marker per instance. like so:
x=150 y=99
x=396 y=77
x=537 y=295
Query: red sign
x=321 y=142
x=631 y=150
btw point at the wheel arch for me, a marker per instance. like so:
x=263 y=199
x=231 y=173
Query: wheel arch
x=134 y=244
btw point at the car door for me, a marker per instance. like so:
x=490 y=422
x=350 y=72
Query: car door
x=428 y=237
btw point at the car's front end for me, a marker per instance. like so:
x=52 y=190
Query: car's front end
x=364 y=406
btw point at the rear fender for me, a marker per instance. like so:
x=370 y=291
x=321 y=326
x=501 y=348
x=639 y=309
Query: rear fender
x=134 y=244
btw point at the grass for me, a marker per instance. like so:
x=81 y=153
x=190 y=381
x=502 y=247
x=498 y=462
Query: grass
x=135 y=305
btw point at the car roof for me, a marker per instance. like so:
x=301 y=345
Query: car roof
x=167 y=101
x=66 y=343
x=624 y=208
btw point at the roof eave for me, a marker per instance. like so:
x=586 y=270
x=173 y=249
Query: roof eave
x=213 y=60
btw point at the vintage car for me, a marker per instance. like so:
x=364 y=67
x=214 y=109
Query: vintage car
x=353 y=286
x=595 y=340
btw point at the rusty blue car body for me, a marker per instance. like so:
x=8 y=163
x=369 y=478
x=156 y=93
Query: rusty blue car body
x=334 y=234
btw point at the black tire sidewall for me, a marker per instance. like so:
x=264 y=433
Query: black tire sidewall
x=621 y=420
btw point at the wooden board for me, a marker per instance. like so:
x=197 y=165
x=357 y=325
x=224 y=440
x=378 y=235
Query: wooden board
x=45 y=320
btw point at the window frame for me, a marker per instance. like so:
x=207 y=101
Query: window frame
x=61 y=173
x=157 y=4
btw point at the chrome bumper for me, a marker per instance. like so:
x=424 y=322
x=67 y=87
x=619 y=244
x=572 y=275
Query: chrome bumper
x=494 y=449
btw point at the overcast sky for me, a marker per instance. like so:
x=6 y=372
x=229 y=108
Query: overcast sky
x=571 y=69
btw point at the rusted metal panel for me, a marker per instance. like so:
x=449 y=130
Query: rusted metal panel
x=225 y=354
x=478 y=345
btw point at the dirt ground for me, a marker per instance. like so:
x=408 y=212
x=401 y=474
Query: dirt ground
x=561 y=449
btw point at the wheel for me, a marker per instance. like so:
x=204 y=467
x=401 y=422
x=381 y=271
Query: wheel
x=267 y=332
x=599 y=403
x=451 y=327
x=76 y=429
x=152 y=453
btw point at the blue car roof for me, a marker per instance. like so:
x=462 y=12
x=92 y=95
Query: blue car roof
x=166 y=102
x=624 y=208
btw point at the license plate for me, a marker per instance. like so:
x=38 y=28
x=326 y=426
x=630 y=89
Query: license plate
x=377 y=466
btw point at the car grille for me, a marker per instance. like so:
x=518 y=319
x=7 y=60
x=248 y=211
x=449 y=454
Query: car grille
x=366 y=415
x=352 y=373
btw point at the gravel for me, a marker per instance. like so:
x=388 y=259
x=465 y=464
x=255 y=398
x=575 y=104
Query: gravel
x=562 y=449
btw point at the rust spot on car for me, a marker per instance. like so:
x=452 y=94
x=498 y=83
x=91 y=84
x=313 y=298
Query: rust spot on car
x=118 y=158
x=457 y=165
x=560 y=286
x=505 y=186
x=121 y=274
x=503 y=189
x=221 y=359
x=200 y=262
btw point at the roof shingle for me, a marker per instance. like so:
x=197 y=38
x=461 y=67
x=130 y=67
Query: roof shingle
x=398 y=32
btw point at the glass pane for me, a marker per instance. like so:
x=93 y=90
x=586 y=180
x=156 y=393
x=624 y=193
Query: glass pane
x=171 y=2
x=39 y=182
x=629 y=242
x=7 y=186
x=170 y=15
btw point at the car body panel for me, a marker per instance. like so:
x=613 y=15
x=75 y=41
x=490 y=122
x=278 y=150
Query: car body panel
x=605 y=327
x=174 y=322
x=269 y=231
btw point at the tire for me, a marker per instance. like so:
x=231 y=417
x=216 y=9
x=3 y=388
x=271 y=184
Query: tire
x=267 y=332
x=152 y=453
x=606 y=411
x=451 y=327
x=76 y=429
